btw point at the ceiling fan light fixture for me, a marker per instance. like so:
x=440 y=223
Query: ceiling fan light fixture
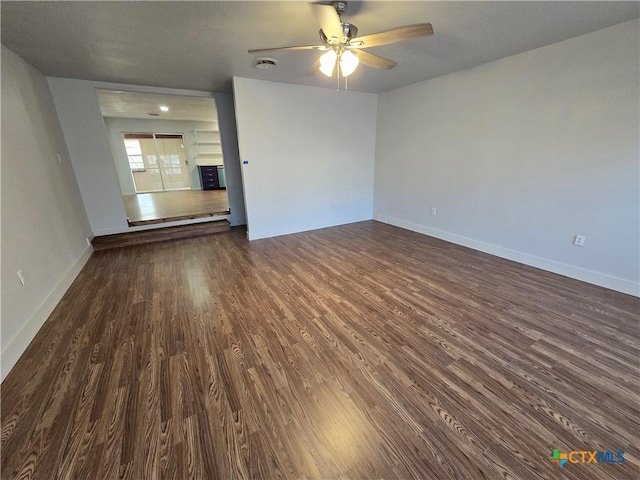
x=340 y=40
x=348 y=63
x=328 y=62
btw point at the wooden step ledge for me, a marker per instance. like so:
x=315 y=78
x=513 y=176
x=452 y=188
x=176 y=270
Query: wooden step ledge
x=142 y=237
x=191 y=216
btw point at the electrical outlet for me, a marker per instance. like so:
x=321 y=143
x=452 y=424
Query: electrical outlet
x=21 y=277
x=433 y=211
x=579 y=240
x=59 y=158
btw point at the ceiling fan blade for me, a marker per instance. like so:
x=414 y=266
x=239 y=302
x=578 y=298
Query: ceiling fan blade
x=300 y=47
x=329 y=21
x=394 y=35
x=371 y=60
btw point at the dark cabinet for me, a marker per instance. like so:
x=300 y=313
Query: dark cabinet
x=209 y=177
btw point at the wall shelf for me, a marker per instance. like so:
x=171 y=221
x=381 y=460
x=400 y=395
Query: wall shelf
x=208 y=148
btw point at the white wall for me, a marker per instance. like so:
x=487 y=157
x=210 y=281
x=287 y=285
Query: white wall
x=84 y=131
x=232 y=170
x=116 y=126
x=521 y=154
x=310 y=154
x=86 y=137
x=44 y=225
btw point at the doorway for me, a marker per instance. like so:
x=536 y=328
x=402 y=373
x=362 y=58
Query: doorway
x=157 y=161
x=163 y=148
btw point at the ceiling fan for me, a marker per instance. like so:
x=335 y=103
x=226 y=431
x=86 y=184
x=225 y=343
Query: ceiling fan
x=343 y=46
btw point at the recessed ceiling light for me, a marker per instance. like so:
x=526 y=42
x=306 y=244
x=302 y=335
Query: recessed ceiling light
x=164 y=108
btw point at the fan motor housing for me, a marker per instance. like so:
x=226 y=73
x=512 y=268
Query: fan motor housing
x=349 y=31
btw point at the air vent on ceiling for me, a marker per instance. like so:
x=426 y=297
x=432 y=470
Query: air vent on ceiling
x=153 y=114
x=264 y=63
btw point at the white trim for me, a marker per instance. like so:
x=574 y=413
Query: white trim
x=19 y=343
x=589 y=276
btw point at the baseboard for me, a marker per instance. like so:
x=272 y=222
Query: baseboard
x=577 y=273
x=19 y=343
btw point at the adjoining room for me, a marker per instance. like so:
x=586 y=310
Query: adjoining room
x=168 y=153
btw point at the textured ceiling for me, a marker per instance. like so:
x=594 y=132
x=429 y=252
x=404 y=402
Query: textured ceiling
x=202 y=45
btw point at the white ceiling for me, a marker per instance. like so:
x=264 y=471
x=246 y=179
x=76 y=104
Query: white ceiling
x=116 y=103
x=202 y=45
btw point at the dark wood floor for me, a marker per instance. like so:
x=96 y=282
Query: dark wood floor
x=360 y=351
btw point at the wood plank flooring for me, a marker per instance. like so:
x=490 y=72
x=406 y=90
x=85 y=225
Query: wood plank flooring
x=141 y=237
x=162 y=207
x=360 y=351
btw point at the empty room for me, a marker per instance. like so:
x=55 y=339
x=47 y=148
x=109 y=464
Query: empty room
x=322 y=240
